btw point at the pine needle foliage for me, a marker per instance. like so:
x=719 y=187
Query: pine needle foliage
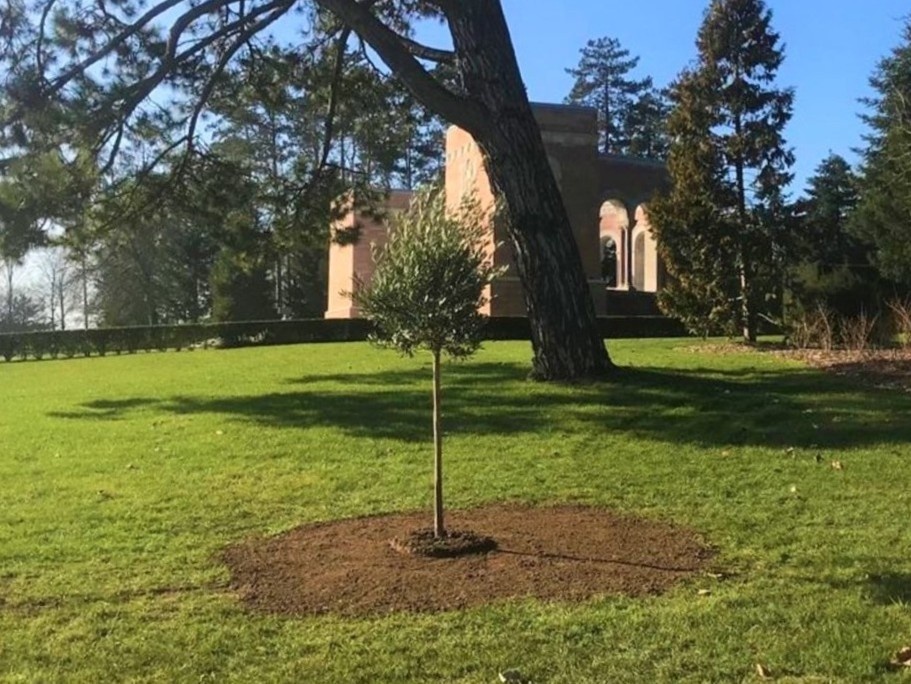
x=884 y=215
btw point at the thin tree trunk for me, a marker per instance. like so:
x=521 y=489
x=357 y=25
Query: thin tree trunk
x=9 y=291
x=747 y=312
x=279 y=285
x=53 y=303
x=62 y=304
x=439 y=529
x=85 y=295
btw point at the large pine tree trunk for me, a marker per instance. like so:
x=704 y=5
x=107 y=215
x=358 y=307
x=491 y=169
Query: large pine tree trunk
x=565 y=335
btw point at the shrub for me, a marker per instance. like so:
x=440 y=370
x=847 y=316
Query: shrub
x=900 y=310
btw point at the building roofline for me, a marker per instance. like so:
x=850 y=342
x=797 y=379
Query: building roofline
x=557 y=105
x=635 y=161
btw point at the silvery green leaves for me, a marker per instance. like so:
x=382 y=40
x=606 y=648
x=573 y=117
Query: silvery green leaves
x=430 y=278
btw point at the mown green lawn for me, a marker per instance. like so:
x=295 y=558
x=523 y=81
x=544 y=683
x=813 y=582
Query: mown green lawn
x=121 y=479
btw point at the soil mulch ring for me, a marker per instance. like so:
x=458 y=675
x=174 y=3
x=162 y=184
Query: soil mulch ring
x=564 y=553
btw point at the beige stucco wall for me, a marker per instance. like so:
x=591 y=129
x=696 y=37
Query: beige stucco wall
x=351 y=263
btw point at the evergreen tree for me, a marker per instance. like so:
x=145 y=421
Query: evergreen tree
x=645 y=125
x=722 y=230
x=240 y=288
x=884 y=214
x=827 y=213
x=23 y=315
x=602 y=81
x=695 y=234
x=20 y=230
x=834 y=265
x=239 y=280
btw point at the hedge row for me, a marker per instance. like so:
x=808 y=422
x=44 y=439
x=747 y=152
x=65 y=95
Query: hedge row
x=103 y=341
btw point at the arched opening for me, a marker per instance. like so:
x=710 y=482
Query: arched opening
x=614 y=232
x=646 y=274
x=639 y=262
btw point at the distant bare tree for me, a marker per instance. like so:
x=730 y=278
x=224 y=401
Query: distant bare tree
x=8 y=266
x=57 y=285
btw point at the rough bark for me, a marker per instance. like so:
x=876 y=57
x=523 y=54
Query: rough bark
x=565 y=335
x=493 y=106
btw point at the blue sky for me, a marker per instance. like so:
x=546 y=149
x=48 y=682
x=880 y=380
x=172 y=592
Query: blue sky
x=832 y=47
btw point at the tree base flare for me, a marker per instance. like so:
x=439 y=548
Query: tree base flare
x=452 y=544
x=607 y=372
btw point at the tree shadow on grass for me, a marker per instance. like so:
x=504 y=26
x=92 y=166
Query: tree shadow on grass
x=707 y=407
x=881 y=588
x=889 y=588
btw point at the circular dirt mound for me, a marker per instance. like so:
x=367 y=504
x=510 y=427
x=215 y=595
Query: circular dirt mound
x=571 y=553
x=454 y=543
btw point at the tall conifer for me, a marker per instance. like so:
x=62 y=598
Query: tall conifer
x=721 y=228
x=602 y=80
x=884 y=215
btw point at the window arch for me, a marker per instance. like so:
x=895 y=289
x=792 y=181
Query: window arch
x=646 y=270
x=614 y=240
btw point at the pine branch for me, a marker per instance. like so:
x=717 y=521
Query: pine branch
x=389 y=46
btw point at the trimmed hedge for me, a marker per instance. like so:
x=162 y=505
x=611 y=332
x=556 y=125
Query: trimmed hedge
x=103 y=341
x=612 y=327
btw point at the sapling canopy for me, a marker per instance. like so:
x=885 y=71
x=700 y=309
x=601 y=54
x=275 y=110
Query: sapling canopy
x=429 y=283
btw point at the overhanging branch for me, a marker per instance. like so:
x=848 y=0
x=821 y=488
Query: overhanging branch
x=431 y=54
x=459 y=110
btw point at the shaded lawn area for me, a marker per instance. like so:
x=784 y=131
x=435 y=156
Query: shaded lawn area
x=122 y=479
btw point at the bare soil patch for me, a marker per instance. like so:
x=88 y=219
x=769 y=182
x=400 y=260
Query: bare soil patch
x=565 y=553
x=884 y=368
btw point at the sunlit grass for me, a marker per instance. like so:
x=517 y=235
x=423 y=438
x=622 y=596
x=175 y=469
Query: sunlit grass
x=121 y=479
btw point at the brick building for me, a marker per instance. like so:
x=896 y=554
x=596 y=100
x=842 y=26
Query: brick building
x=605 y=196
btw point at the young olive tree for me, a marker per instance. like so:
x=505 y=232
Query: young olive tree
x=429 y=282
